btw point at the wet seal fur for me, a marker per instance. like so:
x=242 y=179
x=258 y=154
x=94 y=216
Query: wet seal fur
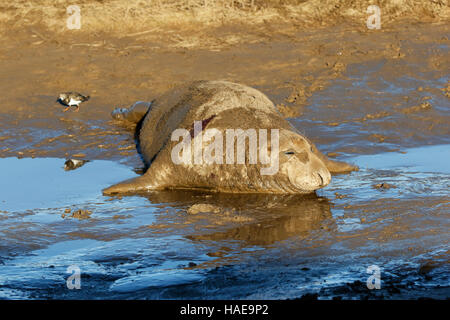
x=221 y=105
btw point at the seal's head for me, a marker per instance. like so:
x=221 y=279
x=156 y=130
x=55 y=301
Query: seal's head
x=300 y=170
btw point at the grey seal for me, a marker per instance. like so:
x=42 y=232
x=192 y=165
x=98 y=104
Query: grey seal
x=221 y=106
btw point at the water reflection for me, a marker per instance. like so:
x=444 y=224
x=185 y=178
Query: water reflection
x=252 y=219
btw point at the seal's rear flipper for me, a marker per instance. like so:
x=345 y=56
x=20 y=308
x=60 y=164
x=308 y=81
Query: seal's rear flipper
x=133 y=114
x=128 y=186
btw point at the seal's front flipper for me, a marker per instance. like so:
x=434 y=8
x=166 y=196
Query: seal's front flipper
x=339 y=166
x=332 y=165
x=129 y=186
x=133 y=114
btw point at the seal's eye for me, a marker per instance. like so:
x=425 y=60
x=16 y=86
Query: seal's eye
x=289 y=152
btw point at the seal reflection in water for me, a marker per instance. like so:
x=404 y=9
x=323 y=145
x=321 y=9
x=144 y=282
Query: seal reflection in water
x=254 y=219
x=221 y=105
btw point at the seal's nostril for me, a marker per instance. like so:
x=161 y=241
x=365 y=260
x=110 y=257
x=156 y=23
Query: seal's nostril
x=321 y=179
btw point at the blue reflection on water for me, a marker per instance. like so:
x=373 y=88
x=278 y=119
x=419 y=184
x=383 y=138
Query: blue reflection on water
x=43 y=183
x=423 y=159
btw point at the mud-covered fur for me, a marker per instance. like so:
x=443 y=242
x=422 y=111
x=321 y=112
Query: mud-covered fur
x=222 y=105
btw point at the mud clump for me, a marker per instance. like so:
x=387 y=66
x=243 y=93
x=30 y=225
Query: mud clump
x=377 y=115
x=333 y=154
x=340 y=196
x=216 y=254
x=289 y=112
x=384 y=186
x=377 y=137
x=422 y=107
x=298 y=95
x=77 y=214
x=446 y=91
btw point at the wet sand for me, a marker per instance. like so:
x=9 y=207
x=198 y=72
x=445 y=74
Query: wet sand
x=376 y=99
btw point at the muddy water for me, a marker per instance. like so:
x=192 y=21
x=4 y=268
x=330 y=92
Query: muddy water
x=147 y=246
x=390 y=117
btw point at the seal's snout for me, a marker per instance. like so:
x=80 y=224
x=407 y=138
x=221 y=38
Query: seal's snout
x=324 y=177
x=307 y=177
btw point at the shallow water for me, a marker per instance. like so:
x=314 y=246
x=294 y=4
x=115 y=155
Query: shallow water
x=51 y=185
x=269 y=246
x=374 y=108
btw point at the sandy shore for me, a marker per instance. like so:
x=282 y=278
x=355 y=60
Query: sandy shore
x=116 y=72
